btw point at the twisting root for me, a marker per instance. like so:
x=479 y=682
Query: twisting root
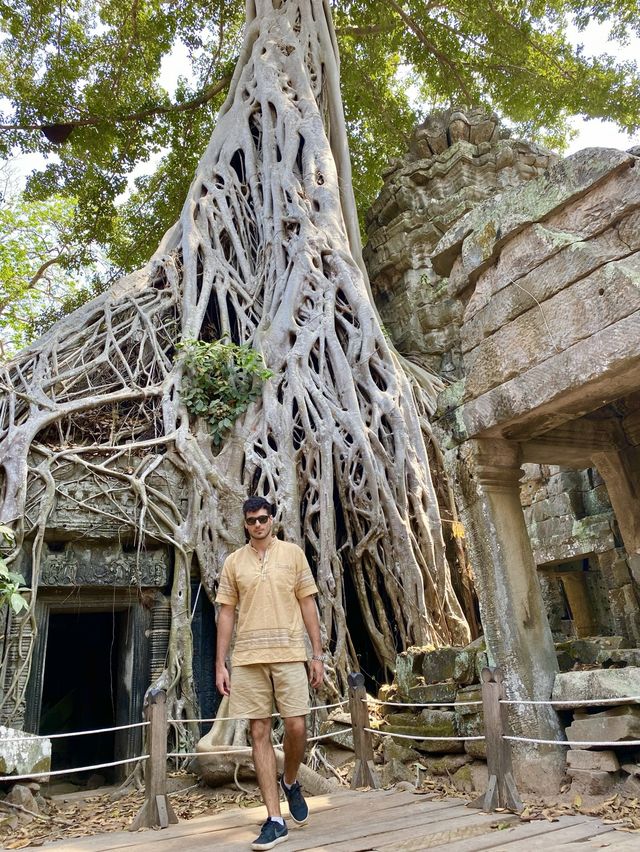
x=266 y=252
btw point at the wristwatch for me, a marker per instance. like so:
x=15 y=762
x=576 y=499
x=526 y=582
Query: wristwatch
x=318 y=658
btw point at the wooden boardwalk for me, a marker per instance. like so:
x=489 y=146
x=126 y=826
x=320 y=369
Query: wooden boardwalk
x=352 y=821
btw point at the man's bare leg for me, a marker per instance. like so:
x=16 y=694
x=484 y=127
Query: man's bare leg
x=264 y=760
x=295 y=741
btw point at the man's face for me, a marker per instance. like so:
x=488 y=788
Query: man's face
x=258 y=524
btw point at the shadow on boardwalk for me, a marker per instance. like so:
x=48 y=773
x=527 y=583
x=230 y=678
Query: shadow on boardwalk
x=376 y=820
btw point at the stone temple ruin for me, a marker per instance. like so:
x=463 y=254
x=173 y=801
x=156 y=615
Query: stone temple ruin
x=515 y=276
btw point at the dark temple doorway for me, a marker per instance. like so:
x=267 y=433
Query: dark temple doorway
x=80 y=689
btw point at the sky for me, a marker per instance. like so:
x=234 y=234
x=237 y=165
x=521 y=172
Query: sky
x=592 y=133
x=602 y=134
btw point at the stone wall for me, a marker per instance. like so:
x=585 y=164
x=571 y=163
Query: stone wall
x=554 y=283
x=601 y=669
x=455 y=161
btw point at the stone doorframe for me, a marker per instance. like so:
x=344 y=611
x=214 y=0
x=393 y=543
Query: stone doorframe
x=486 y=471
x=132 y=680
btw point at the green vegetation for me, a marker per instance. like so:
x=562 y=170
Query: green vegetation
x=81 y=80
x=221 y=380
x=41 y=264
x=11 y=584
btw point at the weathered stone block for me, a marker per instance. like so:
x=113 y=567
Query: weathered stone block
x=22 y=753
x=392 y=750
x=472 y=777
x=614 y=725
x=440 y=723
x=22 y=796
x=623 y=658
x=409 y=669
x=464 y=696
x=470 y=720
x=446 y=765
x=604 y=761
x=343 y=736
x=457 y=664
x=591 y=783
x=412 y=725
x=437 y=693
x=394 y=771
x=598 y=683
x=631 y=786
x=596 y=501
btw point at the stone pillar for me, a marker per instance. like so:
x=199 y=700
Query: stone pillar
x=485 y=474
x=621 y=473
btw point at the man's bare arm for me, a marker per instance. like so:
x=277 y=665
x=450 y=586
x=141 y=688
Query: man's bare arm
x=310 y=617
x=224 y=627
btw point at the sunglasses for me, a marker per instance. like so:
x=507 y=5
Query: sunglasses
x=261 y=519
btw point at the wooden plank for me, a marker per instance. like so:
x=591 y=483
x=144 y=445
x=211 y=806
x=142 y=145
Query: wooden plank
x=341 y=805
x=538 y=834
x=631 y=844
x=563 y=836
x=316 y=835
x=415 y=837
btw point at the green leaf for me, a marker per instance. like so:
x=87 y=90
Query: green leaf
x=17 y=602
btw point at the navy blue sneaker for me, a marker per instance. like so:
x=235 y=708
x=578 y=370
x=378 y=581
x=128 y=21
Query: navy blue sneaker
x=298 y=808
x=270 y=835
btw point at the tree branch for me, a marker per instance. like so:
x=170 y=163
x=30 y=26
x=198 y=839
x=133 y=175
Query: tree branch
x=57 y=129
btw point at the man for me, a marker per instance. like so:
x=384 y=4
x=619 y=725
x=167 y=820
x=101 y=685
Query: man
x=270 y=583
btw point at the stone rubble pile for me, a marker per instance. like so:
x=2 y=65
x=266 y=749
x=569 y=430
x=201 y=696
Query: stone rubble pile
x=449 y=676
x=596 y=770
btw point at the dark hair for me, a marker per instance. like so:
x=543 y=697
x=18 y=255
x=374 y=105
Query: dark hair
x=254 y=504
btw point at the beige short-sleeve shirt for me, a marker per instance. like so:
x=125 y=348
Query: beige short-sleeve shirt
x=267 y=591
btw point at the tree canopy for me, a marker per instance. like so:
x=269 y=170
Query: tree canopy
x=80 y=80
x=44 y=270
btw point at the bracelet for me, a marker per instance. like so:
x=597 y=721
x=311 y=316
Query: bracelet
x=318 y=658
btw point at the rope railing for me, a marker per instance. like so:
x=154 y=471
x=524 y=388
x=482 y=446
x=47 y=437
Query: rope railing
x=420 y=737
x=30 y=737
x=32 y=775
x=574 y=743
x=312 y=709
x=370 y=700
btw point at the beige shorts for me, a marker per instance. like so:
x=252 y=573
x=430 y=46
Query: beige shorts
x=255 y=689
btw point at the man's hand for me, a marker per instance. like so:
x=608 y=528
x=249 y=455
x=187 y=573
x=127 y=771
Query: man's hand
x=316 y=673
x=223 y=680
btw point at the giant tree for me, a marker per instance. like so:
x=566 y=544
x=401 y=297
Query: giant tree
x=89 y=72
x=265 y=257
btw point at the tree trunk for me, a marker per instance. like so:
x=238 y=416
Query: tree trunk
x=266 y=252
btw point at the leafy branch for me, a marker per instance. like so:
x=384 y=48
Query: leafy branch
x=222 y=379
x=11 y=584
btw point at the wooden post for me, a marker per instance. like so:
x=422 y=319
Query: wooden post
x=501 y=790
x=364 y=773
x=156 y=811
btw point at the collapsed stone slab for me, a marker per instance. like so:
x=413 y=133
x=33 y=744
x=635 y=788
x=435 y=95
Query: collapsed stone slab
x=22 y=753
x=614 y=725
x=570 y=688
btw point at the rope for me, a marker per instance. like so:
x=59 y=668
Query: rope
x=568 y=702
x=32 y=775
x=432 y=704
x=573 y=743
x=330 y=734
x=411 y=737
x=29 y=737
x=242 y=719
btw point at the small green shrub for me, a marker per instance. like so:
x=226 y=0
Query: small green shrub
x=221 y=380
x=11 y=584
